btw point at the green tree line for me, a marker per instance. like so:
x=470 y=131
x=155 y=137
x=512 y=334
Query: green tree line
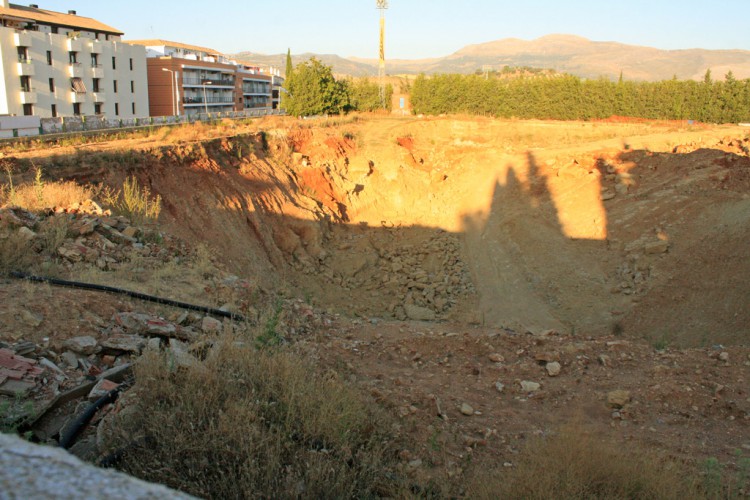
x=311 y=89
x=567 y=97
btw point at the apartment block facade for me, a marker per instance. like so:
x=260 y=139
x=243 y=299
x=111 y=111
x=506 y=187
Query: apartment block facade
x=188 y=80
x=56 y=64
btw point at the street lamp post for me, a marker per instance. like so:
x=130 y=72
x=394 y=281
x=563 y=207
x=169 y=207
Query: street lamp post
x=205 y=101
x=174 y=99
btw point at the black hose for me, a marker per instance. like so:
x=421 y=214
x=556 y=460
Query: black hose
x=129 y=293
x=68 y=437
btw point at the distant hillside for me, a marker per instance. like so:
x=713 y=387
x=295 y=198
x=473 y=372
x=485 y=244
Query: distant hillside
x=564 y=53
x=340 y=65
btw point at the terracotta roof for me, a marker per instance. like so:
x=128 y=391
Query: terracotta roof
x=158 y=43
x=56 y=18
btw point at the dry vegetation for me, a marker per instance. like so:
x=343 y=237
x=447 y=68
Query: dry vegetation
x=254 y=422
x=576 y=464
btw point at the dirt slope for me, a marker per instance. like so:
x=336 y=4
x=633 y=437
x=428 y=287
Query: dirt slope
x=586 y=228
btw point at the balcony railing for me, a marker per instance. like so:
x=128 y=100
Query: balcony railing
x=208 y=82
x=24 y=59
x=208 y=100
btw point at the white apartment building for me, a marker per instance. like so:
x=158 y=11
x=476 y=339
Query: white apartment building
x=56 y=64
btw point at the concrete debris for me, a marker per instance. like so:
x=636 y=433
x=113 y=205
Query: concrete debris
x=85 y=345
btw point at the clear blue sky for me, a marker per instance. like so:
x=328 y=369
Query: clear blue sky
x=418 y=28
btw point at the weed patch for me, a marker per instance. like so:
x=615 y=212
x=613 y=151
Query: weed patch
x=577 y=464
x=254 y=423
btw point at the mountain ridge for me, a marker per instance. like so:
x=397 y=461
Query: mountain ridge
x=564 y=53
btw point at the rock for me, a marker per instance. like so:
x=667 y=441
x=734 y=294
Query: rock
x=26 y=233
x=30 y=318
x=724 y=356
x=102 y=388
x=51 y=366
x=528 y=386
x=621 y=188
x=553 y=369
x=499 y=386
x=29 y=470
x=82 y=345
x=153 y=344
x=156 y=326
x=496 y=357
x=70 y=359
x=132 y=322
x=131 y=232
x=605 y=360
x=418 y=313
x=467 y=410
x=181 y=354
x=127 y=343
x=655 y=247
x=211 y=325
x=87 y=228
x=618 y=398
x=608 y=194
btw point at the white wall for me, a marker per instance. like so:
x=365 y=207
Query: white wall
x=10 y=87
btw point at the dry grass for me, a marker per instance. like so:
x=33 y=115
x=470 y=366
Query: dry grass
x=577 y=464
x=254 y=423
x=16 y=252
x=40 y=195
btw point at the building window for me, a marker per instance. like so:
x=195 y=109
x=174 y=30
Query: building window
x=114 y=62
x=26 y=83
x=133 y=108
x=131 y=64
x=28 y=109
x=49 y=57
x=132 y=87
x=23 y=54
x=51 y=84
x=77 y=85
x=54 y=29
x=117 y=109
x=54 y=110
x=73 y=57
x=106 y=36
x=114 y=82
x=97 y=108
x=77 y=108
x=94 y=60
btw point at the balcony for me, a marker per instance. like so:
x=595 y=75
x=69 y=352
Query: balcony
x=99 y=96
x=78 y=97
x=74 y=45
x=28 y=97
x=200 y=82
x=199 y=101
x=75 y=70
x=95 y=47
x=22 y=39
x=25 y=67
x=97 y=71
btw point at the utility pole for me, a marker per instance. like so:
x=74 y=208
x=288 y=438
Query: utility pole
x=382 y=5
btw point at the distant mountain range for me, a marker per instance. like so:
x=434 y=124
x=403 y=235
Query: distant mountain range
x=563 y=53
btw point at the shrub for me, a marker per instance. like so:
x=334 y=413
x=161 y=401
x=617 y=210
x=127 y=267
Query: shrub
x=16 y=252
x=575 y=464
x=134 y=202
x=253 y=423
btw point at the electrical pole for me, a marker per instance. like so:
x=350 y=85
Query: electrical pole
x=382 y=5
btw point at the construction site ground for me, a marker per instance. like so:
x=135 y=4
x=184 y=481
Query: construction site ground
x=486 y=281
